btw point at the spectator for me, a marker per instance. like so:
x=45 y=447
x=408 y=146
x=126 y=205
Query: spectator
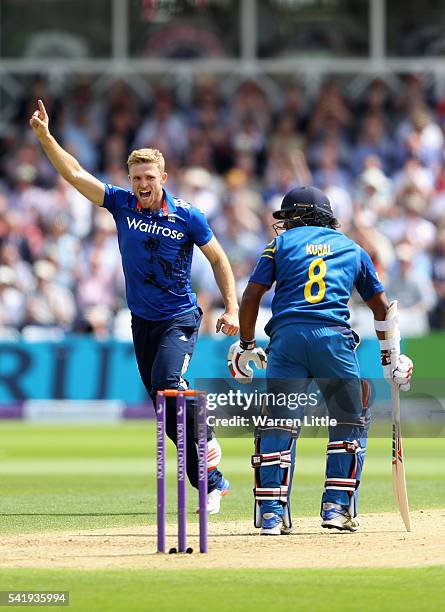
x=437 y=317
x=94 y=280
x=373 y=140
x=164 y=129
x=234 y=153
x=49 y=304
x=12 y=301
x=415 y=294
x=198 y=186
x=374 y=192
x=79 y=139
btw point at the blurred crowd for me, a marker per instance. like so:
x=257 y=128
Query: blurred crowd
x=379 y=157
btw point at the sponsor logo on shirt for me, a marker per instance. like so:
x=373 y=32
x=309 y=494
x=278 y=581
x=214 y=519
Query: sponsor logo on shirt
x=318 y=249
x=152 y=227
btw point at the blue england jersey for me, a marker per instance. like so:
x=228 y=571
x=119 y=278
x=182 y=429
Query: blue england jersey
x=315 y=270
x=157 y=250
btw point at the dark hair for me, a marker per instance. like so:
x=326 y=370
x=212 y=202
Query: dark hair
x=315 y=218
x=323 y=220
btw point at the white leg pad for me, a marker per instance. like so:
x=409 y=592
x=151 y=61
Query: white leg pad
x=214 y=454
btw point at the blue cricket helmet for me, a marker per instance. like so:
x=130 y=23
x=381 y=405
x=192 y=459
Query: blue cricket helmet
x=302 y=200
x=304 y=206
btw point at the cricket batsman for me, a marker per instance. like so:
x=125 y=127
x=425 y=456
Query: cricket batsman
x=315 y=269
x=156 y=234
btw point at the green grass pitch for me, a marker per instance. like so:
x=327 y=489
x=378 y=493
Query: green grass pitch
x=411 y=590
x=84 y=477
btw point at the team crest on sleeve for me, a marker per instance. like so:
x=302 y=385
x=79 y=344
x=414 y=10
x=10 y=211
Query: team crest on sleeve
x=181 y=203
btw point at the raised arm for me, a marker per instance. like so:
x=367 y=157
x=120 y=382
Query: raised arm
x=228 y=321
x=65 y=164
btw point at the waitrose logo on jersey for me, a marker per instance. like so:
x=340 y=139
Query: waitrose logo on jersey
x=153 y=228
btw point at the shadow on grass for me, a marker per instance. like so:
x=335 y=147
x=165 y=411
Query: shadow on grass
x=338 y=534
x=77 y=514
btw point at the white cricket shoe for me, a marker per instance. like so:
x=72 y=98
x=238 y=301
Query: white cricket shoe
x=272 y=524
x=214 y=497
x=335 y=516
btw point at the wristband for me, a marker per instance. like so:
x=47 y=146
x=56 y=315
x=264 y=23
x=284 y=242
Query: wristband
x=387 y=348
x=247 y=345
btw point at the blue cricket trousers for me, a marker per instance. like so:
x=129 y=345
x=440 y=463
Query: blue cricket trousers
x=163 y=351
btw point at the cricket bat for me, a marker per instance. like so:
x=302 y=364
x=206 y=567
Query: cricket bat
x=398 y=466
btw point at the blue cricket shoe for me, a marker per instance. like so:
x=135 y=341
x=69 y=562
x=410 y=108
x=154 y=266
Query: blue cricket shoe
x=272 y=524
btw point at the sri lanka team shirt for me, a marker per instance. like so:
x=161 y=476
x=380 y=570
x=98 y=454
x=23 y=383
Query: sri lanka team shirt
x=315 y=270
x=157 y=249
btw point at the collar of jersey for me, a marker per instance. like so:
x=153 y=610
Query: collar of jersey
x=168 y=205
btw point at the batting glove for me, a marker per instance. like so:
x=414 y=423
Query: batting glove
x=401 y=373
x=240 y=354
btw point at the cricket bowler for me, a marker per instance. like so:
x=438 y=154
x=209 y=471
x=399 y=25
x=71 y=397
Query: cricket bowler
x=156 y=233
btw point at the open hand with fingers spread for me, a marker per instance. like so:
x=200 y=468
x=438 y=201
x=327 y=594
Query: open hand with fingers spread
x=39 y=121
